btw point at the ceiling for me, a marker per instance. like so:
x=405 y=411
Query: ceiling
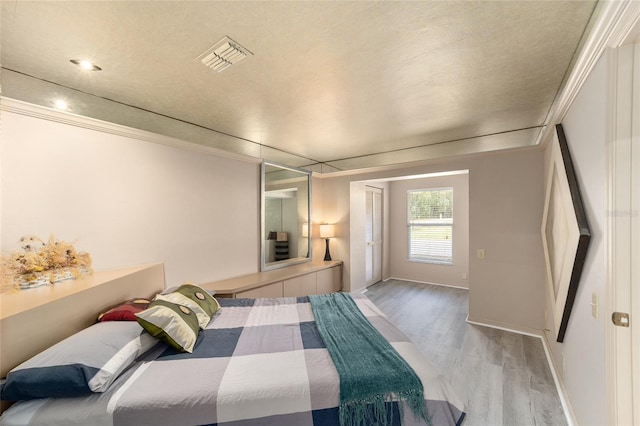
x=344 y=84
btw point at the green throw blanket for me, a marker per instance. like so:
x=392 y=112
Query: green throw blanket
x=371 y=371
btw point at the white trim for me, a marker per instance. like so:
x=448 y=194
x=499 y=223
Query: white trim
x=502 y=326
x=627 y=20
x=426 y=282
x=560 y=387
x=609 y=333
x=62 y=117
x=635 y=230
x=614 y=23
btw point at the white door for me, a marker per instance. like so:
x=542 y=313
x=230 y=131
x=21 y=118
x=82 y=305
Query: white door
x=623 y=343
x=373 y=235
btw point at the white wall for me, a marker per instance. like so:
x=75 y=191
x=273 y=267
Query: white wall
x=583 y=347
x=127 y=201
x=505 y=211
x=454 y=275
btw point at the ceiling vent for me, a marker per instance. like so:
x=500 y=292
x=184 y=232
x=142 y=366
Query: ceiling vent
x=223 y=54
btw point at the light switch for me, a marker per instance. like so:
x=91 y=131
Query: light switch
x=594 y=305
x=480 y=254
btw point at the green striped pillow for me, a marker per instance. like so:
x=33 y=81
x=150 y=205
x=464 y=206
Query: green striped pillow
x=175 y=324
x=196 y=298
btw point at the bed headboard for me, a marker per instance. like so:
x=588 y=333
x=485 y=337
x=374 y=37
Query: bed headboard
x=32 y=320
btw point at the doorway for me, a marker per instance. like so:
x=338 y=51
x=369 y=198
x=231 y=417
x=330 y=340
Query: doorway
x=373 y=235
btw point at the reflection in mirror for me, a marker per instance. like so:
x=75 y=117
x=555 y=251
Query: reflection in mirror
x=286 y=207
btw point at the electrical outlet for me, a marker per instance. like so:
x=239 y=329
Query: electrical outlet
x=563 y=362
x=594 y=305
x=480 y=254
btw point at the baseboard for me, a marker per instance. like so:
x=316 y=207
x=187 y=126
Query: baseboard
x=503 y=326
x=426 y=282
x=557 y=378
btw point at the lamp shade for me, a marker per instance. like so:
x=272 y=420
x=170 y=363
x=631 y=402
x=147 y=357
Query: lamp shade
x=305 y=230
x=327 y=231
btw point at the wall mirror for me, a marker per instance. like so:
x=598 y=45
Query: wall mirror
x=286 y=216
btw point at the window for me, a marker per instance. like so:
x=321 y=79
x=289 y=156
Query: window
x=430 y=225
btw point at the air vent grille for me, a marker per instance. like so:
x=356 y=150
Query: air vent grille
x=223 y=54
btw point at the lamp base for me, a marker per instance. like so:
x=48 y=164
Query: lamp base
x=327 y=255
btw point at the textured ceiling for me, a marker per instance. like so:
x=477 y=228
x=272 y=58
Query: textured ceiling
x=351 y=84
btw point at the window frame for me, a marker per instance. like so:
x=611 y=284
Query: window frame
x=411 y=226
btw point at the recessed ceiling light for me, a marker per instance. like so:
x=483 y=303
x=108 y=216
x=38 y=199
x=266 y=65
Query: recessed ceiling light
x=61 y=104
x=85 y=64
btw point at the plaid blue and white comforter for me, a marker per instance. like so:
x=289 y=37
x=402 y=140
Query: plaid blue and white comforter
x=258 y=362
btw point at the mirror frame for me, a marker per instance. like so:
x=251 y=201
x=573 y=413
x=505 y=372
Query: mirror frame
x=264 y=266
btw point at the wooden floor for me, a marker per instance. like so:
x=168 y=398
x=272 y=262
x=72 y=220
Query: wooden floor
x=503 y=376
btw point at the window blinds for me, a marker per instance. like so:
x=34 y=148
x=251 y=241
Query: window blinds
x=430 y=225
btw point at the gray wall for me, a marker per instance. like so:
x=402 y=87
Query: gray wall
x=453 y=275
x=505 y=212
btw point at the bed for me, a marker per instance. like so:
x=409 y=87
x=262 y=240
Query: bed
x=255 y=362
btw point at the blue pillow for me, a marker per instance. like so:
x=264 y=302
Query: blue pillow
x=87 y=362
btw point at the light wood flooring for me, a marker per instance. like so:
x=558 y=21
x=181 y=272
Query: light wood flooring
x=503 y=376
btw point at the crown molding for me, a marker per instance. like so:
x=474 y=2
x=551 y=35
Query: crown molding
x=36 y=111
x=614 y=22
